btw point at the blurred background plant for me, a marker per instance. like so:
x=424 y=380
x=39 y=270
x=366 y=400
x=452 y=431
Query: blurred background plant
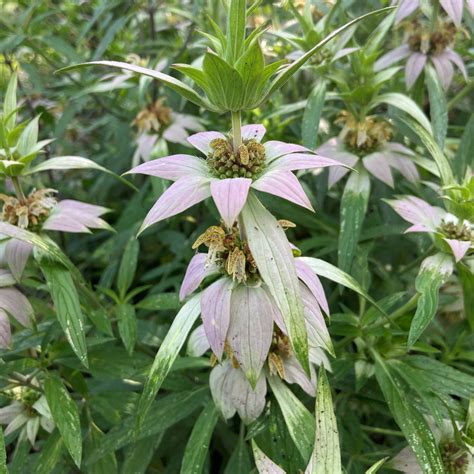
x=383 y=387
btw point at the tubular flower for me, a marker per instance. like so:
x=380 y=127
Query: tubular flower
x=423 y=46
x=367 y=142
x=453 y=8
x=227 y=174
x=454 y=234
x=243 y=326
x=29 y=410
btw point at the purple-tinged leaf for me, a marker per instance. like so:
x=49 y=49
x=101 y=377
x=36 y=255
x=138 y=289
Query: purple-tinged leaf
x=202 y=140
x=274 y=149
x=311 y=280
x=302 y=161
x=459 y=247
x=415 y=64
x=180 y=196
x=251 y=329
x=173 y=167
x=377 y=165
x=198 y=344
x=454 y=10
x=230 y=196
x=264 y=464
x=197 y=270
x=283 y=184
x=17 y=305
x=215 y=313
x=5 y=331
x=253 y=132
x=17 y=253
x=392 y=57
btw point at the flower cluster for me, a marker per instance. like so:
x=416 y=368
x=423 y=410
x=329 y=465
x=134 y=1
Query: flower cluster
x=367 y=142
x=227 y=174
x=243 y=326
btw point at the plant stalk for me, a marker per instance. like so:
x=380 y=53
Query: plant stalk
x=18 y=190
x=236 y=130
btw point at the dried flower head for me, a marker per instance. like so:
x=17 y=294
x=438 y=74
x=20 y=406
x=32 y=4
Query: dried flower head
x=153 y=117
x=30 y=213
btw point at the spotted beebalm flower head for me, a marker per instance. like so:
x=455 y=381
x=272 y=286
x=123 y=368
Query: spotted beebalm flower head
x=367 y=142
x=243 y=326
x=28 y=411
x=457 y=459
x=227 y=174
x=158 y=121
x=457 y=234
x=453 y=8
x=423 y=46
x=40 y=211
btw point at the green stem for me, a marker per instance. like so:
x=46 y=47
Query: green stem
x=18 y=190
x=408 y=306
x=464 y=92
x=373 y=429
x=236 y=130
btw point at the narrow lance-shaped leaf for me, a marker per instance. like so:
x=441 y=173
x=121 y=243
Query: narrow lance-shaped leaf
x=66 y=416
x=275 y=262
x=285 y=75
x=74 y=163
x=168 y=352
x=440 y=159
x=405 y=104
x=353 y=209
x=312 y=115
x=466 y=276
x=409 y=419
x=175 y=84
x=128 y=266
x=464 y=154
x=235 y=30
x=198 y=443
x=326 y=455
x=67 y=306
x=326 y=270
x=127 y=325
x=9 y=103
x=375 y=467
x=438 y=106
x=264 y=464
x=298 y=419
x=51 y=454
x=434 y=271
x=3 y=455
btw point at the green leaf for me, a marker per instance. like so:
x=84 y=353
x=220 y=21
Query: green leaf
x=264 y=464
x=28 y=138
x=464 y=155
x=271 y=250
x=65 y=415
x=239 y=462
x=139 y=455
x=197 y=75
x=198 y=443
x=51 y=454
x=235 y=30
x=326 y=455
x=225 y=85
x=375 y=40
x=175 y=84
x=3 y=455
x=287 y=72
x=466 y=276
x=326 y=270
x=312 y=115
x=74 y=163
x=167 y=354
x=355 y=200
x=127 y=325
x=298 y=419
x=128 y=266
x=105 y=465
x=10 y=104
x=67 y=306
x=163 y=414
x=375 y=467
x=434 y=271
x=160 y=301
x=440 y=159
x=405 y=104
x=409 y=419
x=438 y=106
